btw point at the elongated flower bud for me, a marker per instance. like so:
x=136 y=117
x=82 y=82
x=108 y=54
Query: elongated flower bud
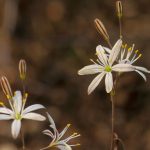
x=101 y=29
x=119 y=9
x=22 y=69
x=6 y=87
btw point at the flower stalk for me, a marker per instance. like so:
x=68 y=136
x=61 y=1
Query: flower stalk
x=119 y=10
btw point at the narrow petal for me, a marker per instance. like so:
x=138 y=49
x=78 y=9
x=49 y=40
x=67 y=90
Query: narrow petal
x=95 y=82
x=17 y=101
x=34 y=116
x=5 y=117
x=142 y=74
x=33 y=108
x=101 y=54
x=108 y=82
x=142 y=69
x=15 y=128
x=115 y=51
x=123 y=68
x=49 y=133
x=5 y=110
x=63 y=146
x=64 y=131
x=107 y=50
x=90 y=69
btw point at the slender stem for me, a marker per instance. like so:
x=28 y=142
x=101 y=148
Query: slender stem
x=113 y=120
x=120 y=28
x=22 y=139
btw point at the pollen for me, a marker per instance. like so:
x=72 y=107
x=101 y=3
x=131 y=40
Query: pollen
x=136 y=51
x=108 y=69
x=129 y=49
x=140 y=55
x=1 y=103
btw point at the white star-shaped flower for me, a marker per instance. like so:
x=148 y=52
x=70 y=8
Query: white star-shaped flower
x=57 y=140
x=130 y=56
x=104 y=67
x=18 y=112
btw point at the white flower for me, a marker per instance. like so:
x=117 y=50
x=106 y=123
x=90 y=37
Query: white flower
x=104 y=67
x=57 y=140
x=17 y=112
x=130 y=56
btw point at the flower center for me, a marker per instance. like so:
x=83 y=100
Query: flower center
x=108 y=69
x=18 y=116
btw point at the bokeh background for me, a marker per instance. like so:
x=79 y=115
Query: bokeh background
x=57 y=38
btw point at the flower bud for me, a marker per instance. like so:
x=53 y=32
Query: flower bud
x=119 y=9
x=101 y=29
x=6 y=87
x=22 y=69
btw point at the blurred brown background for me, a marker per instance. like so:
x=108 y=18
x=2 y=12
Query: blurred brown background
x=57 y=38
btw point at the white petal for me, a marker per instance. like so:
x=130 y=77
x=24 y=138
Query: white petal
x=95 y=82
x=49 y=133
x=142 y=69
x=90 y=69
x=51 y=120
x=107 y=50
x=17 y=101
x=64 y=146
x=101 y=54
x=5 y=110
x=142 y=74
x=64 y=131
x=15 y=128
x=108 y=82
x=33 y=108
x=34 y=116
x=115 y=51
x=123 y=68
x=5 y=117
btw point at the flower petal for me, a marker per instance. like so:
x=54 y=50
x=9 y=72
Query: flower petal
x=101 y=54
x=123 y=68
x=114 y=52
x=34 y=116
x=49 y=133
x=18 y=101
x=63 y=131
x=142 y=74
x=15 y=128
x=95 y=82
x=107 y=50
x=5 y=110
x=142 y=69
x=108 y=82
x=90 y=69
x=64 y=146
x=33 y=108
x=5 y=117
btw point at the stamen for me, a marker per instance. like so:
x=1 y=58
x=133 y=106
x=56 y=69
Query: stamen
x=136 y=51
x=2 y=104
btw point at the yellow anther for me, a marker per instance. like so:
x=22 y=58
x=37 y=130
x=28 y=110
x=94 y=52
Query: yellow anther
x=123 y=46
x=140 y=55
x=68 y=125
x=129 y=49
x=2 y=104
x=136 y=51
x=8 y=97
x=26 y=95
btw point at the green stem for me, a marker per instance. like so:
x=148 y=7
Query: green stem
x=112 y=121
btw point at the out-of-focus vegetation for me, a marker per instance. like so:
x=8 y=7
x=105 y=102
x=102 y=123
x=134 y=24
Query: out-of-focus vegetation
x=57 y=38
